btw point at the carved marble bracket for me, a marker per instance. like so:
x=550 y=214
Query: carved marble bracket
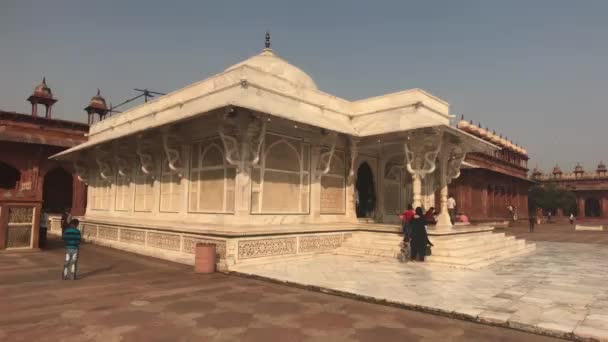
x=454 y=163
x=81 y=172
x=354 y=151
x=105 y=171
x=243 y=138
x=172 y=154
x=122 y=167
x=145 y=157
x=324 y=164
x=429 y=157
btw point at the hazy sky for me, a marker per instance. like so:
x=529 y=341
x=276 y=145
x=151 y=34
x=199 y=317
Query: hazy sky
x=535 y=71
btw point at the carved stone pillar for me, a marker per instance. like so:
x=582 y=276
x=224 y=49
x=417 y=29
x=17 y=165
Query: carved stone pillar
x=443 y=221
x=315 y=183
x=242 y=134
x=421 y=149
x=380 y=211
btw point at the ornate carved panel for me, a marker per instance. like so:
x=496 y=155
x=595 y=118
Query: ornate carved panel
x=20 y=215
x=164 y=241
x=136 y=237
x=108 y=233
x=89 y=231
x=266 y=247
x=320 y=243
x=190 y=244
x=18 y=236
x=20 y=224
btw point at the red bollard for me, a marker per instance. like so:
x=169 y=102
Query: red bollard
x=204 y=258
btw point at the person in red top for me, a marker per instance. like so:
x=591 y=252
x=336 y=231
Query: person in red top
x=406 y=217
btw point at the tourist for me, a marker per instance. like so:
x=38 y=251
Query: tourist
x=44 y=224
x=406 y=217
x=71 y=239
x=571 y=218
x=419 y=236
x=549 y=216
x=452 y=208
x=462 y=218
x=429 y=216
x=532 y=221
x=66 y=218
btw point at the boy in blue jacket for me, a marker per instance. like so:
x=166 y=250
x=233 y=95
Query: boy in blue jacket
x=71 y=239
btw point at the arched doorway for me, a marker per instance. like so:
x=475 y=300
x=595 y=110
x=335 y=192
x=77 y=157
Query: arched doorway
x=9 y=177
x=592 y=207
x=57 y=190
x=366 y=193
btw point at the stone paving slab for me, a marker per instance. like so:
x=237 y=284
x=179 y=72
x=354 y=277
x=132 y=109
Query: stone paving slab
x=127 y=297
x=561 y=290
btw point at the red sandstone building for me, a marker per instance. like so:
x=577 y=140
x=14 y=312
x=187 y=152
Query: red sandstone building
x=490 y=183
x=29 y=181
x=590 y=189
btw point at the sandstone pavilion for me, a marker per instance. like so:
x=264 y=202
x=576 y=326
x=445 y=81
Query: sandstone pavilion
x=261 y=162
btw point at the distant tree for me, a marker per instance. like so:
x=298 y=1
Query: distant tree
x=550 y=197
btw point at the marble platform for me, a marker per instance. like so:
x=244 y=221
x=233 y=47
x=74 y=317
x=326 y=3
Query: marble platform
x=461 y=247
x=589 y=227
x=560 y=290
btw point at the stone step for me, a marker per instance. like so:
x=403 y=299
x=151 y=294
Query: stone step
x=477 y=249
x=472 y=249
x=482 y=260
x=464 y=238
x=529 y=248
x=383 y=253
x=443 y=242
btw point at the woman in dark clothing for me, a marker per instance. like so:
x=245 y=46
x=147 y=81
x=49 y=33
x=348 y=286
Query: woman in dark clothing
x=419 y=237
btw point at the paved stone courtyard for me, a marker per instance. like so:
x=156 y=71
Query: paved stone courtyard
x=560 y=289
x=127 y=297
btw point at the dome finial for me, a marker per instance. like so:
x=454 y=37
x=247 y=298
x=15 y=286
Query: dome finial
x=98 y=92
x=267 y=43
x=43 y=79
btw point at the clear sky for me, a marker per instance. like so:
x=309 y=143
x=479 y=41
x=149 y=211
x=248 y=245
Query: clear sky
x=535 y=71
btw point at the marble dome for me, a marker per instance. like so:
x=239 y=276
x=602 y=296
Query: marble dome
x=268 y=61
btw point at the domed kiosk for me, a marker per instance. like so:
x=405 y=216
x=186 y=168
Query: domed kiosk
x=256 y=152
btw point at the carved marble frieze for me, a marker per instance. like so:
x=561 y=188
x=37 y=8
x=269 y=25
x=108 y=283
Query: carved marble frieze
x=266 y=247
x=108 y=233
x=190 y=245
x=164 y=241
x=136 y=237
x=318 y=243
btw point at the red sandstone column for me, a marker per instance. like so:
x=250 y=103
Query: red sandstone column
x=604 y=206
x=3 y=225
x=581 y=207
x=78 y=196
x=484 y=201
x=36 y=226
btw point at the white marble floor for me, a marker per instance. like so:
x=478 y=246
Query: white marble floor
x=561 y=289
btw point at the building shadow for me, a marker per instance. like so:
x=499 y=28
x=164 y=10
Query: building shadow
x=94 y=272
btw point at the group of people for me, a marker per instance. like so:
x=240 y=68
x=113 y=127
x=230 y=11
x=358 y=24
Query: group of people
x=415 y=238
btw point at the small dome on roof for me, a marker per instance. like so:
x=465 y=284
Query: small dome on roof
x=98 y=102
x=578 y=169
x=601 y=167
x=537 y=172
x=42 y=90
x=557 y=170
x=463 y=124
x=270 y=62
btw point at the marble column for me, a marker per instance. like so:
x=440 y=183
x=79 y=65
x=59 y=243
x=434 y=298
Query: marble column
x=443 y=221
x=417 y=190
